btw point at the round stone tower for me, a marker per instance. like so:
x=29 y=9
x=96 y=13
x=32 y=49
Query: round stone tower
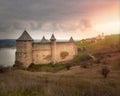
x=53 y=48
x=24 y=50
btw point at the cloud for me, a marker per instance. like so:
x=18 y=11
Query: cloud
x=85 y=24
x=4 y=27
x=50 y=15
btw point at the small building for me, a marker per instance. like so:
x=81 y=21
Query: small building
x=43 y=52
x=95 y=39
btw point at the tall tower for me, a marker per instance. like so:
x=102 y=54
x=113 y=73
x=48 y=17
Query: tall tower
x=71 y=40
x=24 y=50
x=53 y=48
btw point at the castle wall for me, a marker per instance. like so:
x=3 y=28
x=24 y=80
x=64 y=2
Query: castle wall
x=65 y=51
x=41 y=53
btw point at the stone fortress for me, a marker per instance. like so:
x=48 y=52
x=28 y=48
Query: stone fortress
x=43 y=52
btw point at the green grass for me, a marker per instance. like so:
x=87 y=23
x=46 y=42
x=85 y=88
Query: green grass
x=110 y=42
x=48 y=67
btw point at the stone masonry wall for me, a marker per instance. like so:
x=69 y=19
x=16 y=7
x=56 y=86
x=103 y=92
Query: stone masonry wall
x=41 y=53
x=65 y=51
x=24 y=53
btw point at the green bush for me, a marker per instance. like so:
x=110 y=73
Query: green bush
x=81 y=59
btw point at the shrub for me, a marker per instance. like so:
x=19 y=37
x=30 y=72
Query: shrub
x=105 y=70
x=34 y=67
x=98 y=55
x=104 y=61
x=84 y=65
x=18 y=65
x=81 y=58
x=46 y=67
x=68 y=66
x=4 y=69
x=98 y=60
x=85 y=58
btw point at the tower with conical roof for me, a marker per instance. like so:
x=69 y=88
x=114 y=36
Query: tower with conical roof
x=71 y=40
x=44 y=40
x=53 y=48
x=24 y=50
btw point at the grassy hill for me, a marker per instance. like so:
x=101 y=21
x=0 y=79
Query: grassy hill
x=100 y=49
x=83 y=78
x=111 y=42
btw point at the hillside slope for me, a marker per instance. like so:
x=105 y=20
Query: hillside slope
x=109 y=43
x=84 y=77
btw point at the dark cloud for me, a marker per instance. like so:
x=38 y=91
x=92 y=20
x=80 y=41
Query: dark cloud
x=36 y=26
x=45 y=10
x=48 y=15
x=4 y=27
x=18 y=26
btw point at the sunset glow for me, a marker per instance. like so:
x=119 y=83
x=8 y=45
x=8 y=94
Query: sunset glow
x=108 y=27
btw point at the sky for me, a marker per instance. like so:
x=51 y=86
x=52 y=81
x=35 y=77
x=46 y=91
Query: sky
x=63 y=18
